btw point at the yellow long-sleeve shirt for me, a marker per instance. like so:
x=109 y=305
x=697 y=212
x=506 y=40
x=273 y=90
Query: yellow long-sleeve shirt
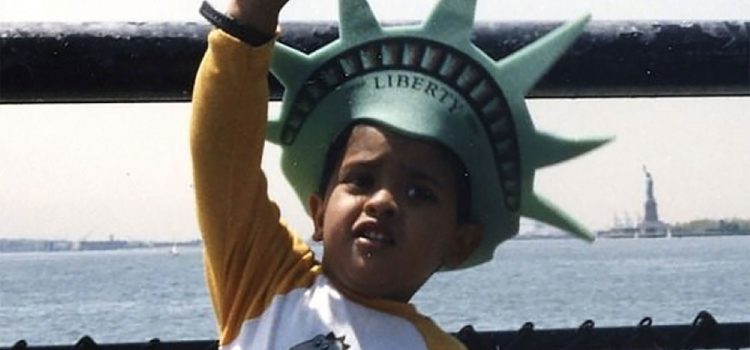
x=267 y=289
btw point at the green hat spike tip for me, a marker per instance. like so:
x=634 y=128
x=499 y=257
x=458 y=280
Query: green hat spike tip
x=520 y=71
x=288 y=64
x=551 y=149
x=540 y=209
x=357 y=20
x=451 y=20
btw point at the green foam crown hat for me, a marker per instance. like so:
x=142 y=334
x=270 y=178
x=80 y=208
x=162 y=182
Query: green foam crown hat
x=429 y=82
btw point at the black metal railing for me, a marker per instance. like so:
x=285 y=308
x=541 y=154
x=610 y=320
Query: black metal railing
x=139 y=62
x=704 y=333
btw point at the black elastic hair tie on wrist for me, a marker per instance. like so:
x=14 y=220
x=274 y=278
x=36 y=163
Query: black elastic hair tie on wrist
x=245 y=33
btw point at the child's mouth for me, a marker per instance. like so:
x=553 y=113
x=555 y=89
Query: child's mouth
x=377 y=238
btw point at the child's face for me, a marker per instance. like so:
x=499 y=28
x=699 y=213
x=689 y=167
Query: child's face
x=388 y=220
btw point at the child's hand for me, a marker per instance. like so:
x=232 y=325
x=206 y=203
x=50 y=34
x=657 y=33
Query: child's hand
x=262 y=15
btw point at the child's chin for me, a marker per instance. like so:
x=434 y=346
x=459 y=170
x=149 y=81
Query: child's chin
x=370 y=277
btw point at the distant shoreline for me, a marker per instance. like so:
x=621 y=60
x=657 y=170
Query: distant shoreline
x=23 y=245
x=695 y=228
x=13 y=245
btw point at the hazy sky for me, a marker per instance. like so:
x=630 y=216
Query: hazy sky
x=87 y=171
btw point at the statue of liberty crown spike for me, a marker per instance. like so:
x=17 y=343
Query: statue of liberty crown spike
x=429 y=82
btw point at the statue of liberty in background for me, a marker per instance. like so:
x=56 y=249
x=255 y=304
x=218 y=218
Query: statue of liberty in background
x=651 y=213
x=649 y=185
x=651 y=224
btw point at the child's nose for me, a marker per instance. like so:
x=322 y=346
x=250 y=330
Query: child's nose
x=381 y=204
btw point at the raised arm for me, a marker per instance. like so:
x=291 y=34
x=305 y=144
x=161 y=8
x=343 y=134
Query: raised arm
x=230 y=107
x=246 y=246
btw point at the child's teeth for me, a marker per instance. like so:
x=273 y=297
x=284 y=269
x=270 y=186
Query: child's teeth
x=375 y=236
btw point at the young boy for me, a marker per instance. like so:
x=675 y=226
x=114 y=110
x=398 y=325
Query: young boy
x=420 y=175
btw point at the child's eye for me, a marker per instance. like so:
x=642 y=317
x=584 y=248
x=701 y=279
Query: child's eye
x=421 y=193
x=359 y=181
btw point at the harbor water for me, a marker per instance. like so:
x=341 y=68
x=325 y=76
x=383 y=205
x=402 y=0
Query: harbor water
x=137 y=295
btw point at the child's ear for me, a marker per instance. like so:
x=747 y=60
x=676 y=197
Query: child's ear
x=465 y=241
x=316 y=205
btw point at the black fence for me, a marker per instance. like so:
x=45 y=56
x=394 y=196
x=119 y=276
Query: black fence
x=140 y=62
x=703 y=333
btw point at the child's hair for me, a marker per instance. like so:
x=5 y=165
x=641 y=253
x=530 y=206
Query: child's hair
x=337 y=149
